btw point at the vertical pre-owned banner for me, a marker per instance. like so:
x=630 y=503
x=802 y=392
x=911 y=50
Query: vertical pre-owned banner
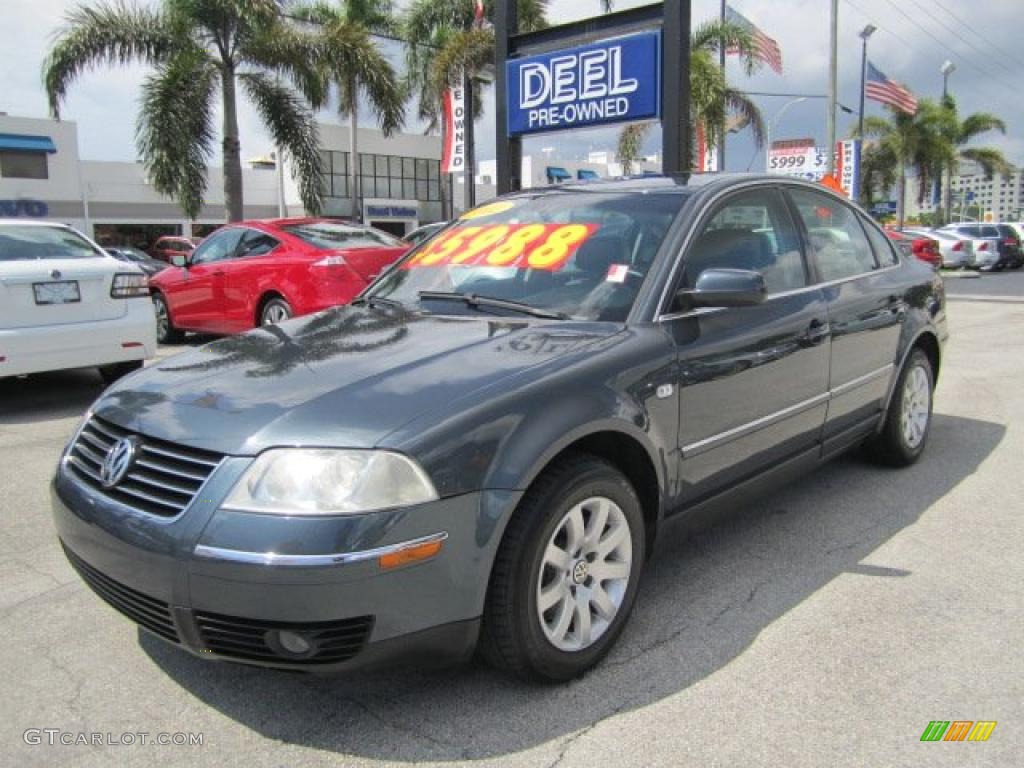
x=453 y=159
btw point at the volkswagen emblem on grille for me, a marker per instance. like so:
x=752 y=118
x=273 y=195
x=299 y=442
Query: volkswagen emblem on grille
x=117 y=462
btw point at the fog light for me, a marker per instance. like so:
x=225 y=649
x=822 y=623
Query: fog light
x=294 y=642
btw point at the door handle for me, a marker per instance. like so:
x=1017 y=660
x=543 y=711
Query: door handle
x=817 y=332
x=219 y=273
x=897 y=305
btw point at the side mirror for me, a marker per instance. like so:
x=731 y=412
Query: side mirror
x=179 y=260
x=725 y=288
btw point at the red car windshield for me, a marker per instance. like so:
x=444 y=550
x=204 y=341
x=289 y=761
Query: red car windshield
x=330 y=235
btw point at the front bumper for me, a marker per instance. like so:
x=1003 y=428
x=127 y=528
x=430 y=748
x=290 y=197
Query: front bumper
x=229 y=603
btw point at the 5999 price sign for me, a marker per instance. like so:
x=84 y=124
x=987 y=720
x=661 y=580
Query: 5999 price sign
x=803 y=162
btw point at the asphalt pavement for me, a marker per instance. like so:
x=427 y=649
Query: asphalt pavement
x=826 y=625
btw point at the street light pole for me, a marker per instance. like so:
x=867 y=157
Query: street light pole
x=948 y=68
x=774 y=121
x=833 y=86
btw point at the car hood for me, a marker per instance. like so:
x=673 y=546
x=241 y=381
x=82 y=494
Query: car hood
x=344 y=377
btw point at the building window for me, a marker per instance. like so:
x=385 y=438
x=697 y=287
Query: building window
x=23 y=165
x=408 y=178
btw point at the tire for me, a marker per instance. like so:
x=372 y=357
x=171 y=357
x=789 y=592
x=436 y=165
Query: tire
x=111 y=373
x=516 y=637
x=908 y=420
x=166 y=333
x=274 y=311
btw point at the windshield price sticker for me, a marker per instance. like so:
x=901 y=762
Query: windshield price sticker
x=523 y=246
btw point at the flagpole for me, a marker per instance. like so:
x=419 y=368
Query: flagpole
x=721 y=63
x=833 y=87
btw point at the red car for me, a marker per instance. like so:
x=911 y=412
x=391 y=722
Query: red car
x=167 y=247
x=924 y=248
x=257 y=273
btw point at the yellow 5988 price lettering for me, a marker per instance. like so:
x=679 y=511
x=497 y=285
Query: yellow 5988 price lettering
x=524 y=246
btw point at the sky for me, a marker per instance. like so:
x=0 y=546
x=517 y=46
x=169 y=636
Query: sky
x=914 y=38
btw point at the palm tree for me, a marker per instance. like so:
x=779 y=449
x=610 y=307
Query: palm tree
x=441 y=34
x=712 y=99
x=914 y=142
x=359 y=70
x=958 y=134
x=197 y=49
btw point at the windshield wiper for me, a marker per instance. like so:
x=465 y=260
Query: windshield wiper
x=371 y=301
x=475 y=300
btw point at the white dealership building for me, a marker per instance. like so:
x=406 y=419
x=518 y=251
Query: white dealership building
x=43 y=176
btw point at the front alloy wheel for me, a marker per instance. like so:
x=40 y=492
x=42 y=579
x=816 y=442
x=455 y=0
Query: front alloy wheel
x=566 y=573
x=584 y=575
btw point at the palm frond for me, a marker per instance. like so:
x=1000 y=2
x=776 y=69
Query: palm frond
x=992 y=161
x=352 y=57
x=748 y=112
x=108 y=33
x=978 y=123
x=293 y=53
x=175 y=152
x=712 y=36
x=292 y=126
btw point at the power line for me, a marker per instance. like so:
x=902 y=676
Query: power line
x=977 y=34
x=927 y=53
x=966 y=60
x=944 y=25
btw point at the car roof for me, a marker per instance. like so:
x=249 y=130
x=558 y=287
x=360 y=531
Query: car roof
x=32 y=223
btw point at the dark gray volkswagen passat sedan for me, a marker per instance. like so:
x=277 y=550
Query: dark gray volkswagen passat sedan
x=482 y=450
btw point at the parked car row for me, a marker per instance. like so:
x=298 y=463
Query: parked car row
x=987 y=247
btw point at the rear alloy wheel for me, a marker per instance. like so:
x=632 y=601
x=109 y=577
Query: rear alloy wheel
x=909 y=417
x=166 y=333
x=275 y=311
x=566 y=573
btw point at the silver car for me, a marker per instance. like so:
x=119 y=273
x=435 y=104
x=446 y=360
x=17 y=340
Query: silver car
x=957 y=251
x=985 y=239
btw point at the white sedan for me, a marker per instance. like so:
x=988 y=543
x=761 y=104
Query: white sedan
x=64 y=303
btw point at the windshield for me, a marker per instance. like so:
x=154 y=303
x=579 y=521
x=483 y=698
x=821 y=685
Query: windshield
x=24 y=243
x=334 y=236
x=581 y=254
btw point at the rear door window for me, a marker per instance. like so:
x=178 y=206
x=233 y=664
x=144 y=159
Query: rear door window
x=835 y=236
x=256 y=243
x=881 y=245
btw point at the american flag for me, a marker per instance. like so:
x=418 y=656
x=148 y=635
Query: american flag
x=765 y=48
x=880 y=88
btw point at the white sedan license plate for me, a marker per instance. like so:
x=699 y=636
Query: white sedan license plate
x=63 y=292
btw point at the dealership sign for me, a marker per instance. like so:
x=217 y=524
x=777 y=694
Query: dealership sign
x=848 y=166
x=453 y=155
x=617 y=80
x=23 y=208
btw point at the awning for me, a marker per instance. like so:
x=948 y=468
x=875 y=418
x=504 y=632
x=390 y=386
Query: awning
x=558 y=174
x=16 y=142
x=585 y=173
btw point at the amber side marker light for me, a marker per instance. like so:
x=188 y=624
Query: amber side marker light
x=414 y=554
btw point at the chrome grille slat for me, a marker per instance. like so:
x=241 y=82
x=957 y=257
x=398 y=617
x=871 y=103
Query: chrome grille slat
x=163 y=480
x=96 y=441
x=171 y=487
x=180 y=456
x=170 y=471
x=89 y=454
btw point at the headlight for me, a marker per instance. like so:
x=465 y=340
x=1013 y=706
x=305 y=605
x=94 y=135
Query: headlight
x=297 y=481
x=128 y=285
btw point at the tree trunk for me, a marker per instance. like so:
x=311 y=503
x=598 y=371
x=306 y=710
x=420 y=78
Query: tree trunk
x=901 y=199
x=232 y=148
x=353 y=150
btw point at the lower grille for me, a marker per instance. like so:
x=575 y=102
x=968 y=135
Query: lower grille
x=146 y=611
x=331 y=642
